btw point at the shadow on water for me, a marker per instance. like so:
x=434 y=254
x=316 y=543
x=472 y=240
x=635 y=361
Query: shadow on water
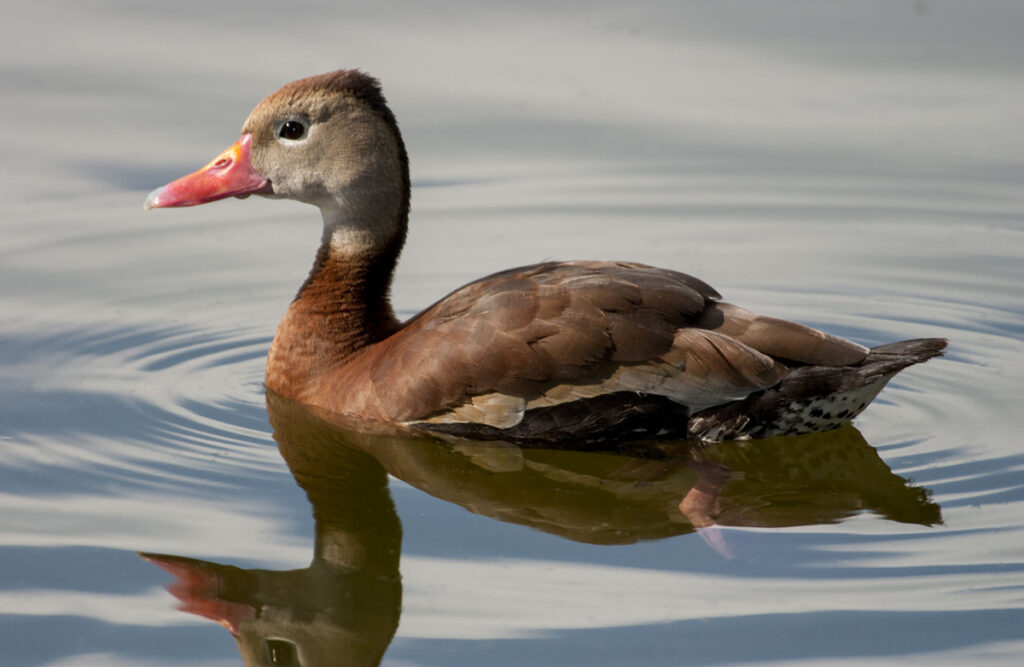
x=344 y=608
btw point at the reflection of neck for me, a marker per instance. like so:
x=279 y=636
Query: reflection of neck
x=356 y=523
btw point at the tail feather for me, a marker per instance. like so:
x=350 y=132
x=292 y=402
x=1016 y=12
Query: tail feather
x=813 y=398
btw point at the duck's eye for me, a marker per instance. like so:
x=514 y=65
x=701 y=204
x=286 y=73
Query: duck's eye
x=292 y=130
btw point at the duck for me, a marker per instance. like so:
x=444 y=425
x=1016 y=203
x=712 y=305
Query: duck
x=552 y=353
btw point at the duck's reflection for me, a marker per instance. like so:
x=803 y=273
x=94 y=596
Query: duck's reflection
x=344 y=608
x=341 y=610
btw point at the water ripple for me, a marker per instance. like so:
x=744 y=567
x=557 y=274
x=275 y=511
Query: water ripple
x=141 y=403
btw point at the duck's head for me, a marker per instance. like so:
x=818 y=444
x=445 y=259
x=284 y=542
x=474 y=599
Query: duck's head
x=327 y=140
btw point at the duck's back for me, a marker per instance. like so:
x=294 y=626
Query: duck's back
x=598 y=350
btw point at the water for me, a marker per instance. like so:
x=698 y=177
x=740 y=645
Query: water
x=853 y=166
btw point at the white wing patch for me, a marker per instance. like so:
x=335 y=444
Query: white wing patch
x=494 y=409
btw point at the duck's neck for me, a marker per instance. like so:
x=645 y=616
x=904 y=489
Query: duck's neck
x=344 y=305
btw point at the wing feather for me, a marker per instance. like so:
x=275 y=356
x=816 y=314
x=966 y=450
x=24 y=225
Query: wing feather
x=557 y=332
x=779 y=338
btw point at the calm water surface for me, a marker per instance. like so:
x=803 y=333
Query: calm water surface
x=856 y=167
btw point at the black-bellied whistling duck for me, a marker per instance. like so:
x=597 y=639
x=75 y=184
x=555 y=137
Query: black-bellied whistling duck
x=582 y=351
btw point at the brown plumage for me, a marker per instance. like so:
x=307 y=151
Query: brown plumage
x=581 y=350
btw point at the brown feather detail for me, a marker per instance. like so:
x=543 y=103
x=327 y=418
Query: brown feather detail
x=522 y=331
x=779 y=338
x=726 y=367
x=551 y=334
x=702 y=370
x=642 y=336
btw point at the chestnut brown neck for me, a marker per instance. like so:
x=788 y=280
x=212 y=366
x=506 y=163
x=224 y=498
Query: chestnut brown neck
x=343 y=306
x=363 y=192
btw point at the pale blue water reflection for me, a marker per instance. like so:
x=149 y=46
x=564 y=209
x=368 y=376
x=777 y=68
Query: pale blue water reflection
x=856 y=167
